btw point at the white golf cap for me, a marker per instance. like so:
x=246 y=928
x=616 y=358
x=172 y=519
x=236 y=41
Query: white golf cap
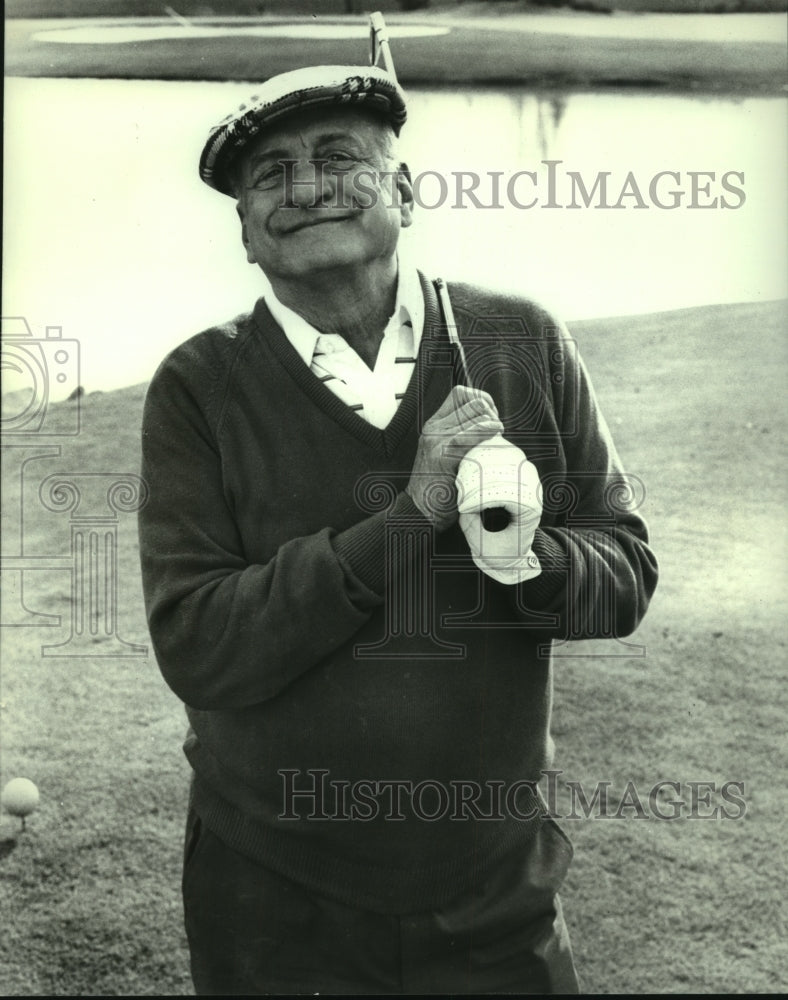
x=362 y=87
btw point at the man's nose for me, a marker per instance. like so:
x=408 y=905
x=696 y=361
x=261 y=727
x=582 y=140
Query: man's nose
x=308 y=184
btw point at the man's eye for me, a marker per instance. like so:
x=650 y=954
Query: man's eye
x=340 y=160
x=267 y=176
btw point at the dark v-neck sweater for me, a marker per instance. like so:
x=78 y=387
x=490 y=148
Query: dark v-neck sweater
x=326 y=642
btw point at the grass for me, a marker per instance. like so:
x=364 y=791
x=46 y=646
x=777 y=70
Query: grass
x=693 y=397
x=223 y=8
x=90 y=892
x=522 y=55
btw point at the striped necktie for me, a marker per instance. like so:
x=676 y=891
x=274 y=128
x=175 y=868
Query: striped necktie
x=374 y=395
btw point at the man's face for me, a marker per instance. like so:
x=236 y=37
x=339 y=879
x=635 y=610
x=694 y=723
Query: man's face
x=303 y=217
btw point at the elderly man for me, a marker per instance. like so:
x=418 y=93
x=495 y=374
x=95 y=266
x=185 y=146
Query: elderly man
x=366 y=671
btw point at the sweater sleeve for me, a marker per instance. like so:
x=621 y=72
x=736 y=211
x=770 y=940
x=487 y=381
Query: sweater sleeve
x=598 y=571
x=228 y=632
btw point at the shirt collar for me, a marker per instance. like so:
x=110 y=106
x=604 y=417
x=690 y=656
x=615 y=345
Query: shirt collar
x=409 y=304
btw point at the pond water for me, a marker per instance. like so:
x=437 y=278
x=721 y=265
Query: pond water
x=110 y=234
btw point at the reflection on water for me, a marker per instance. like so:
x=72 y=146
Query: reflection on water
x=549 y=112
x=694 y=209
x=111 y=235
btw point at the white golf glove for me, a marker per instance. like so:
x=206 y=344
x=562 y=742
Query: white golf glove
x=496 y=474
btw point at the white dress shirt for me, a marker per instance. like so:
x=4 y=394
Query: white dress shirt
x=374 y=393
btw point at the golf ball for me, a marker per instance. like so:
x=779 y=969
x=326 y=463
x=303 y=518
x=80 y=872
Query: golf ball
x=20 y=797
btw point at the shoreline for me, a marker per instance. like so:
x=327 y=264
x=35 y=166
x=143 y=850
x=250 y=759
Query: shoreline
x=702 y=53
x=588 y=329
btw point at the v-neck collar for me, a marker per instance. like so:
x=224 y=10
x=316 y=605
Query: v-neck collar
x=387 y=439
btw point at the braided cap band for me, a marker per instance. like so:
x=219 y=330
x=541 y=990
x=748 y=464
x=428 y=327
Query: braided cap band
x=367 y=87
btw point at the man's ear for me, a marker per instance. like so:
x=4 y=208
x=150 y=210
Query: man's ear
x=244 y=234
x=405 y=190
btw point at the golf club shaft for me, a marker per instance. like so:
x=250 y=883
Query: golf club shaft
x=451 y=327
x=380 y=43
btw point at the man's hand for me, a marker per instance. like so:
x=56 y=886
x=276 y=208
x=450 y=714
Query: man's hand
x=465 y=418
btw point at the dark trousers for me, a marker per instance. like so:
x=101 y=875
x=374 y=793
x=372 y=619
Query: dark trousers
x=253 y=932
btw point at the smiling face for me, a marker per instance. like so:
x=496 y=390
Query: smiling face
x=337 y=201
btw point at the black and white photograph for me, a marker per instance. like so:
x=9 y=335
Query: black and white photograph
x=394 y=497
